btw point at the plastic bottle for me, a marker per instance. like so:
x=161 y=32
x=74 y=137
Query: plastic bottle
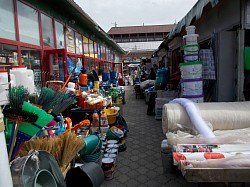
x=104 y=119
x=95 y=119
x=83 y=78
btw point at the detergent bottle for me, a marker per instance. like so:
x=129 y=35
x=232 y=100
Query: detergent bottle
x=104 y=119
x=83 y=78
x=95 y=119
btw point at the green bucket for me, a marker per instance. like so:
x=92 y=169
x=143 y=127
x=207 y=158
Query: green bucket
x=92 y=144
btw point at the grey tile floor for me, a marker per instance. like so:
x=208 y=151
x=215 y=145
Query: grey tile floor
x=141 y=165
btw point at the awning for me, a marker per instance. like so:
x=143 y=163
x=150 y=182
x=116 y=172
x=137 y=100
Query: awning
x=195 y=12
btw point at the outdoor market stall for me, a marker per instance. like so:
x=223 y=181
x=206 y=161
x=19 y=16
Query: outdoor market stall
x=195 y=131
x=41 y=134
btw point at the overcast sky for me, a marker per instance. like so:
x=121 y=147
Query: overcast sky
x=135 y=12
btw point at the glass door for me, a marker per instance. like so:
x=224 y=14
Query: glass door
x=54 y=65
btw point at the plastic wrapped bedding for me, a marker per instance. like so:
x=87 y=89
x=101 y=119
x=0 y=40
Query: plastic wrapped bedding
x=238 y=136
x=222 y=115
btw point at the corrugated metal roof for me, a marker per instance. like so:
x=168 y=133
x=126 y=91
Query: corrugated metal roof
x=195 y=12
x=141 y=29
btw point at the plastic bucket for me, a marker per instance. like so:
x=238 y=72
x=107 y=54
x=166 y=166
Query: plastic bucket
x=105 y=77
x=191 y=70
x=45 y=179
x=191 y=57
x=83 y=79
x=190 y=29
x=25 y=169
x=190 y=39
x=192 y=87
x=112 y=75
x=89 y=174
x=195 y=99
x=191 y=49
x=92 y=144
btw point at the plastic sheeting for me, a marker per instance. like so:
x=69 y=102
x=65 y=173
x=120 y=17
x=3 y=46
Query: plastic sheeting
x=222 y=115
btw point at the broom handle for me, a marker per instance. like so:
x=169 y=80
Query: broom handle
x=13 y=140
x=66 y=82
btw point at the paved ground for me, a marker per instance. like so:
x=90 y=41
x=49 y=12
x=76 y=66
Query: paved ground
x=141 y=165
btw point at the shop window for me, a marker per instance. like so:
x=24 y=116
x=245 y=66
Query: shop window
x=95 y=50
x=86 y=46
x=59 y=35
x=47 y=27
x=90 y=65
x=28 y=24
x=111 y=56
x=107 y=54
x=103 y=52
x=70 y=40
x=91 y=48
x=8 y=54
x=78 y=44
x=98 y=51
x=7 y=23
x=31 y=58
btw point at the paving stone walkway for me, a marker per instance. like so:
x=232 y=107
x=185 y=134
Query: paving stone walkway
x=140 y=164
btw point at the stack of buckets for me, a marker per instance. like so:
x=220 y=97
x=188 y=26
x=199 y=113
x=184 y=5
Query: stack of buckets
x=191 y=69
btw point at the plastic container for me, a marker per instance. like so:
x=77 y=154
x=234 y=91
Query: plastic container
x=4 y=86
x=24 y=76
x=191 y=49
x=190 y=39
x=191 y=57
x=190 y=29
x=104 y=119
x=87 y=106
x=112 y=75
x=83 y=79
x=92 y=144
x=89 y=174
x=112 y=115
x=105 y=77
x=96 y=85
x=191 y=70
x=44 y=178
x=192 y=87
x=95 y=119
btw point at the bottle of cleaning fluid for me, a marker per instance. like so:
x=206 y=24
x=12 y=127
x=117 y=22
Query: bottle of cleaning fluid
x=104 y=119
x=83 y=78
x=95 y=119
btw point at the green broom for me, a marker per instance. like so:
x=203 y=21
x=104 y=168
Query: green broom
x=28 y=129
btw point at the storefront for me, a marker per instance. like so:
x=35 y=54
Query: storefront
x=52 y=43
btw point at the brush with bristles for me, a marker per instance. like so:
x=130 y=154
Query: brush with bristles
x=46 y=97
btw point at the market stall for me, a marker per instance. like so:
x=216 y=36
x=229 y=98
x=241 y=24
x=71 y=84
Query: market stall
x=207 y=141
x=66 y=126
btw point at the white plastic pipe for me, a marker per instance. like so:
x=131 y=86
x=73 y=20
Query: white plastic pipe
x=5 y=175
x=198 y=122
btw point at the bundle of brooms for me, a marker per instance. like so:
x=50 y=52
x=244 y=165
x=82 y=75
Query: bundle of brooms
x=64 y=147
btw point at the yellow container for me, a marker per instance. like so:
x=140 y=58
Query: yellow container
x=111 y=115
x=96 y=85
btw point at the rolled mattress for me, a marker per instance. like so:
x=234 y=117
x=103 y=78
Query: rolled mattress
x=222 y=115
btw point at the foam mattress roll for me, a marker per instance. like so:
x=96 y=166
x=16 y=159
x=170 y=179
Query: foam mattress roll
x=222 y=115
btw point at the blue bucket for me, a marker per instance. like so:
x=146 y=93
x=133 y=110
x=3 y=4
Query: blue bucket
x=112 y=75
x=105 y=77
